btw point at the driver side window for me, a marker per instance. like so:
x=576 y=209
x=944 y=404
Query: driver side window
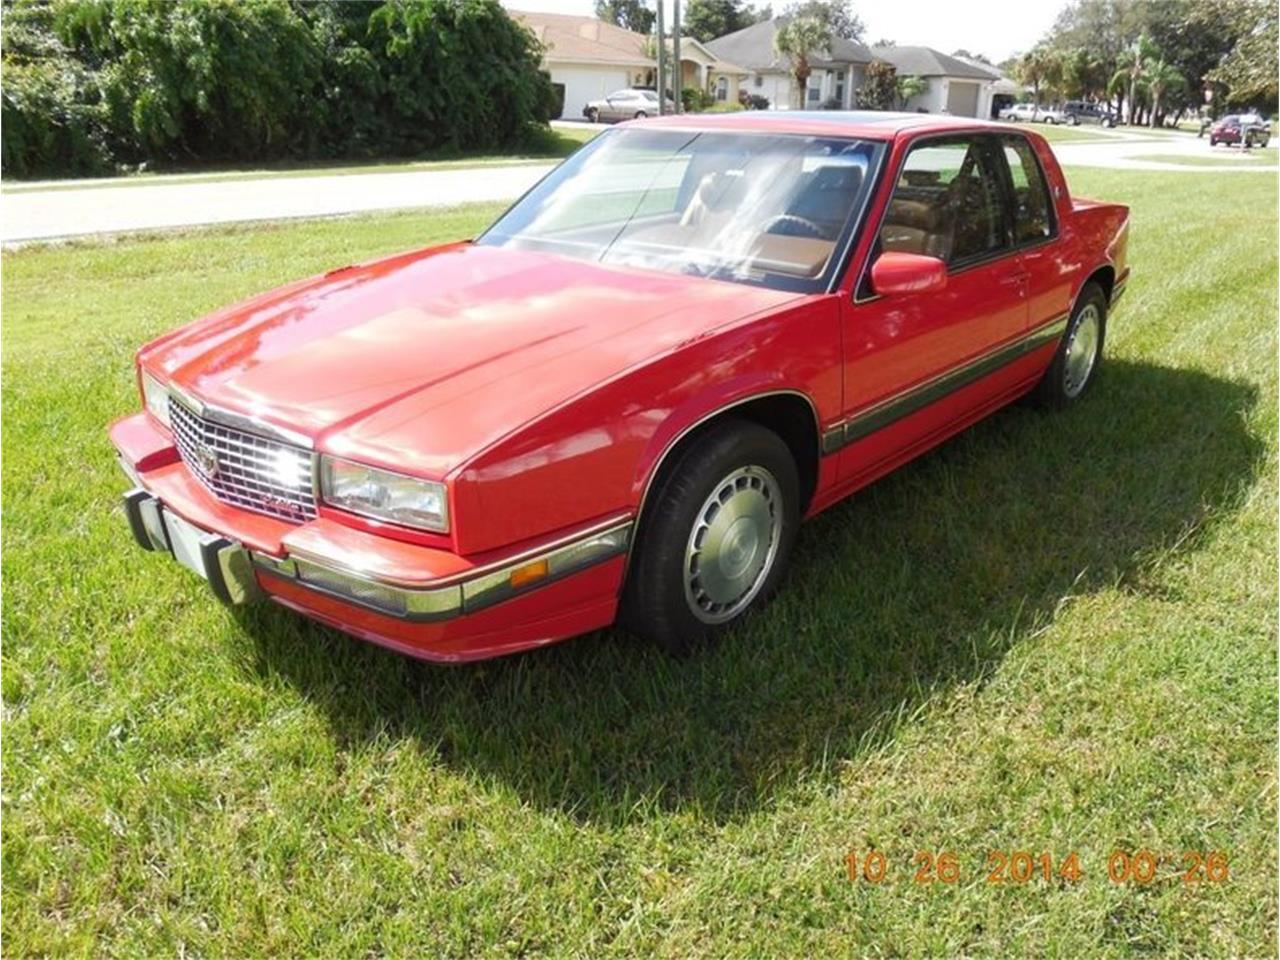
x=946 y=203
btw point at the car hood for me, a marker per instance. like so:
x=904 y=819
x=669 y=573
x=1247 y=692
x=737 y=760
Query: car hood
x=421 y=359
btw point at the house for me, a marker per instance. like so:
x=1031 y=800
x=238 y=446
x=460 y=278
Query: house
x=702 y=69
x=590 y=59
x=962 y=88
x=837 y=74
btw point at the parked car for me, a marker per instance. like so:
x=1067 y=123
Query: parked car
x=621 y=399
x=1248 y=129
x=1076 y=112
x=1030 y=113
x=631 y=104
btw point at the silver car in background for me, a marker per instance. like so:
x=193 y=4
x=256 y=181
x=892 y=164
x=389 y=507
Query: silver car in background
x=629 y=104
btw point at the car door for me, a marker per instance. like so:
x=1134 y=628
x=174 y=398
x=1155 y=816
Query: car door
x=916 y=363
x=1034 y=229
x=621 y=105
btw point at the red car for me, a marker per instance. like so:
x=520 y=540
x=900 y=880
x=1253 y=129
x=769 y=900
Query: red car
x=1249 y=129
x=621 y=399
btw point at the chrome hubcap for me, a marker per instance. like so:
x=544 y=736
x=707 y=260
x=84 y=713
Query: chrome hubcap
x=1082 y=351
x=733 y=544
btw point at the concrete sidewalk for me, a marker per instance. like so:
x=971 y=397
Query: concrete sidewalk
x=38 y=215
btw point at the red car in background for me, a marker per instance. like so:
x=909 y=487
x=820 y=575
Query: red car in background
x=621 y=399
x=1249 y=129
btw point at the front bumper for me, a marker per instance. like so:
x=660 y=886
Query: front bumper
x=422 y=601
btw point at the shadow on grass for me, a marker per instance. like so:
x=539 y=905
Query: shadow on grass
x=922 y=581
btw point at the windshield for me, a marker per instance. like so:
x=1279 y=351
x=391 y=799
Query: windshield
x=774 y=210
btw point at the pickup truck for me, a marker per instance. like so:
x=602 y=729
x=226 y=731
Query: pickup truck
x=619 y=401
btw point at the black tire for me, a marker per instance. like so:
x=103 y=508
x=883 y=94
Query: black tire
x=1054 y=389
x=656 y=603
x=640 y=114
x=1213 y=142
x=1074 y=121
x=593 y=115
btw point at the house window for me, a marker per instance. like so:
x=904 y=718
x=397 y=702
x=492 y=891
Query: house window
x=759 y=81
x=814 y=93
x=722 y=89
x=840 y=88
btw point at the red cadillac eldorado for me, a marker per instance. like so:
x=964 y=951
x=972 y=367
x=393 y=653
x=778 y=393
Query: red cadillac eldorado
x=619 y=401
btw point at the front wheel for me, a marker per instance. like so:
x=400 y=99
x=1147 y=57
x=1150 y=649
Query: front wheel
x=593 y=115
x=715 y=537
x=1074 y=121
x=1075 y=365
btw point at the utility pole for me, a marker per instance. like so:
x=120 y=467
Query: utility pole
x=662 y=63
x=677 y=69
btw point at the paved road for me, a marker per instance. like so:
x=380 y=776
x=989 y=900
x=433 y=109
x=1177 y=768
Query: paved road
x=34 y=215
x=1117 y=149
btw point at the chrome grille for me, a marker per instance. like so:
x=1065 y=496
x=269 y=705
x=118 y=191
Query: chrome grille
x=249 y=471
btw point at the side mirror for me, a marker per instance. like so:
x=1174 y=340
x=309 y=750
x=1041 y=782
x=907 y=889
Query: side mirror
x=896 y=273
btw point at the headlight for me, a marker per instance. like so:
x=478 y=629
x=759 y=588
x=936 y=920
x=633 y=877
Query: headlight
x=384 y=495
x=156 y=398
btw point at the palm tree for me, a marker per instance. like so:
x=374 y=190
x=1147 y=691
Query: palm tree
x=799 y=39
x=1031 y=68
x=1133 y=66
x=1162 y=78
x=908 y=87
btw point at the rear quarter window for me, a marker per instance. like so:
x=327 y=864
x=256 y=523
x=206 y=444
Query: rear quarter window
x=1032 y=215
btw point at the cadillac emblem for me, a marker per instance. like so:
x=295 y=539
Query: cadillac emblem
x=206 y=459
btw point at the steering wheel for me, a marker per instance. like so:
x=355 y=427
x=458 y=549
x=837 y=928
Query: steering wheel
x=807 y=225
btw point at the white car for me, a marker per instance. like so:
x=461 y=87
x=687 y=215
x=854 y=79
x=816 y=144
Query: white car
x=1030 y=113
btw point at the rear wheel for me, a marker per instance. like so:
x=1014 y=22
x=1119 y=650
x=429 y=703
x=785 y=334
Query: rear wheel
x=640 y=114
x=715 y=537
x=593 y=115
x=1075 y=365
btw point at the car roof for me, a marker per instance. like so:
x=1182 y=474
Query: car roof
x=866 y=124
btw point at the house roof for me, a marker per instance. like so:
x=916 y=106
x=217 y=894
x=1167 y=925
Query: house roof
x=718 y=64
x=753 y=47
x=927 y=62
x=585 y=39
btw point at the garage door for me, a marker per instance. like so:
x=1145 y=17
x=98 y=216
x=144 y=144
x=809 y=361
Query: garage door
x=962 y=99
x=584 y=84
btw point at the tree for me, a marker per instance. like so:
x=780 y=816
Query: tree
x=964 y=54
x=1030 y=70
x=628 y=14
x=707 y=19
x=1083 y=74
x=800 y=39
x=838 y=15
x=908 y=87
x=1250 y=69
x=1161 y=77
x=879 y=90
x=1132 y=70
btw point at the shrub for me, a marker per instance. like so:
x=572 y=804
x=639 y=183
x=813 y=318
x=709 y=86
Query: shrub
x=752 y=101
x=91 y=83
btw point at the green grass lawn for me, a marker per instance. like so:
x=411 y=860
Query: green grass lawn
x=558 y=143
x=1055 y=634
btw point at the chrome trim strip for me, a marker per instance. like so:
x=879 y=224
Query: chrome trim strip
x=884 y=412
x=464 y=594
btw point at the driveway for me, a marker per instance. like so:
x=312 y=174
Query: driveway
x=65 y=211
